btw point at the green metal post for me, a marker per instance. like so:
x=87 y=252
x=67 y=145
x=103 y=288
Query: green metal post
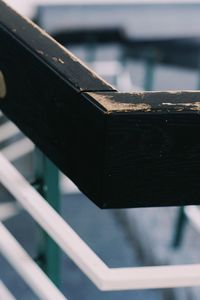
x=47 y=184
x=198 y=69
x=179 y=227
x=52 y=195
x=150 y=59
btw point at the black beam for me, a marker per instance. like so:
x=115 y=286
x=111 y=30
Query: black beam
x=122 y=150
x=152 y=148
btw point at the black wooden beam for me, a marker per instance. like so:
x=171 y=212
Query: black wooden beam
x=152 y=148
x=122 y=150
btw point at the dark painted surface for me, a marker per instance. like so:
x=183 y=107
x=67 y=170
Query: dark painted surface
x=152 y=149
x=122 y=150
x=36 y=43
x=46 y=105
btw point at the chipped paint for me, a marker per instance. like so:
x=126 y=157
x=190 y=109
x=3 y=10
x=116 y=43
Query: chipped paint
x=196 y=106
x=174 y=92
x=40 y=52
x=141 y=106
x=61 y=61
x=192 y=106
x=2 y=86
x=147 y=102
x=110 y=104
x=58 y=60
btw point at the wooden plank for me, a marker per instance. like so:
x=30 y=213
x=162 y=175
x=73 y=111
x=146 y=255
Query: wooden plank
x=152 y=148
x=44 y=99
x=147 y=102
x=122 y=150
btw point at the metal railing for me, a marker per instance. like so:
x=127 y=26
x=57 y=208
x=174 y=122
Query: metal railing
x=72 y=95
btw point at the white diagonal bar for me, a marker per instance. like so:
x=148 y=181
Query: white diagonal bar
x=7 y=131
x=5 y=294
x=104 y=277
x=18 y=149
x=193 y=214
x=27 y=268
x=50 y=221
x=9 y=210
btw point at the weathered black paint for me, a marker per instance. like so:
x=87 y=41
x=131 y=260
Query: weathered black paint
x=122 y=150
x=152 y=148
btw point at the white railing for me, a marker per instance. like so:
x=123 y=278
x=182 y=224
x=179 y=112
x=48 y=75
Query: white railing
x=98 y=272
x=27 y=268
x=5 y=294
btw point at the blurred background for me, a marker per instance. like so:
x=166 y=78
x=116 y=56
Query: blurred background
x=134 y=45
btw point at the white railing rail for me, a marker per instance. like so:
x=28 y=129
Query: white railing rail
x=5 y=294
x=27 y=268
x=100 y=274
x=7 y=131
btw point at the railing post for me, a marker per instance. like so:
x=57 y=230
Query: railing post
x=150 y=60
x=47 y=184
x=52 y=195
x=179 y=227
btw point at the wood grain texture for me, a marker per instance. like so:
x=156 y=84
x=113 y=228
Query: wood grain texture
x=44 y=99
x=122 y=150
x=152 y=102
x=152 y=148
